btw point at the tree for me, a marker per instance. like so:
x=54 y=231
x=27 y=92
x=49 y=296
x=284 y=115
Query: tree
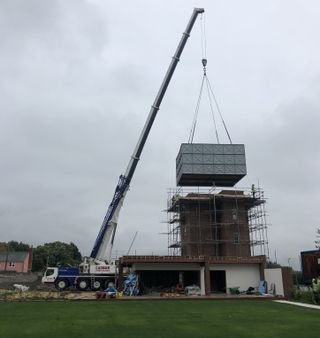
x=271 y=265
x=55 y=254
x=297 y=277
x=317 y=241
x=14 y=246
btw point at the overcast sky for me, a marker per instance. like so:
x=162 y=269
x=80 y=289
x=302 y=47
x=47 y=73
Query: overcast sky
x=77 y=81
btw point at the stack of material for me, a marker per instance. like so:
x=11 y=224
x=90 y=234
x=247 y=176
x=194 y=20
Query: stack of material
x=131 y=285
x=199 y=164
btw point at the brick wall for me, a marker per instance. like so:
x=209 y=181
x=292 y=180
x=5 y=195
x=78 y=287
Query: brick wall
x=204 y=232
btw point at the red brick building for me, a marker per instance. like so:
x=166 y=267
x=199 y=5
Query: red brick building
x=215 y=224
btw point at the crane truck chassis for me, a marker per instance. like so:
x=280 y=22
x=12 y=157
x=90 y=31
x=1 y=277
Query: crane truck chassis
x=96 y=277
x=96 y=272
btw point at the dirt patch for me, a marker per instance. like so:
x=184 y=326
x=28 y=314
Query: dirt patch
x=14 y=295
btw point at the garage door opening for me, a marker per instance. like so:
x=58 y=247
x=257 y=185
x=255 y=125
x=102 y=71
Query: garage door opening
x=218 y=281
x=166 y=281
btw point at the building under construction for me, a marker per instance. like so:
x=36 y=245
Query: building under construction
x=217 y=237
x=217 y=223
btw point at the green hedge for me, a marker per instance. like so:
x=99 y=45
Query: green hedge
x=306 y=296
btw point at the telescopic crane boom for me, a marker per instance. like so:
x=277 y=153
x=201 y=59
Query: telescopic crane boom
x=109 y=225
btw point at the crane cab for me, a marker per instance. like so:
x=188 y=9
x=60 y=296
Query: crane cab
x=50 y=275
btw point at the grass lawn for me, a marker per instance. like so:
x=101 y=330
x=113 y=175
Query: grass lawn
x=194 y=318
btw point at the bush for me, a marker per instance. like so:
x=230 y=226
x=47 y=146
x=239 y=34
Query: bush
x=305 y=296
x=55 y=254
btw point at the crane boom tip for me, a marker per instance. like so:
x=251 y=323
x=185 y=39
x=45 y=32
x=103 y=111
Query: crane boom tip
x=199 y=10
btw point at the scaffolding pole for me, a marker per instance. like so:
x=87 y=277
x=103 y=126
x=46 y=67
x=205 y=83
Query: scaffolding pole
x=246 y=227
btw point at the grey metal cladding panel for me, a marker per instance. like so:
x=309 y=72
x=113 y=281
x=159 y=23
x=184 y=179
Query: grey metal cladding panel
x=239 y=159
x=197 y=159
x=207 y=148
x=228 y=159
x=229 y=169
x=240 y=169
x=197 y=148
x=178 y=159
x=197 y=169
x=179 y=169
x=218 y=159
x=218 y=149
x=186 y=148
x=239 y=149
x=211 y=159
x=208 y=169
x=178 y=179
x=218 y=169
x=187 y=168
x=228 y=149
x=207 y=159
x=186 y=158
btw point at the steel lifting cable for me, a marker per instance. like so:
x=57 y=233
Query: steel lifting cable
x=210 y=92
x=218 y=109
x=203 y=50
x=211 y=108
x=195 y=118
x=204 y=56
x=204 y=77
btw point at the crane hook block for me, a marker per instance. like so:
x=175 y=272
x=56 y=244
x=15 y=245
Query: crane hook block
x=204 y=62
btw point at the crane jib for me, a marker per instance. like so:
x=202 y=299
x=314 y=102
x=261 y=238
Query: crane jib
x=124 y=181
x=120 y=189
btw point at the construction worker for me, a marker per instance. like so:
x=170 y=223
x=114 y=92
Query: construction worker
x=253 y=190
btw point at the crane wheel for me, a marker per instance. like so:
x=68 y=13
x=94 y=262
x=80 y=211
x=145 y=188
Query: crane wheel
x=83 y=284
x=97 y=285
x=62 y=284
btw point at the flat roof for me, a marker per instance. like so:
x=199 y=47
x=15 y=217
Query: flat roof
x=236 y=195
x=125 y=260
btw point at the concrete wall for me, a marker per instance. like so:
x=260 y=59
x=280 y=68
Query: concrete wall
x=274 y=276
x=7 y=279
x=240 y=275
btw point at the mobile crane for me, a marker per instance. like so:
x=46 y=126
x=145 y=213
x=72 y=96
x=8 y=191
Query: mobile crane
x=97 y=271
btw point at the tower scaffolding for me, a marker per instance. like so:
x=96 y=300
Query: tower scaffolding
x=258 y=227
x=216 y=222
